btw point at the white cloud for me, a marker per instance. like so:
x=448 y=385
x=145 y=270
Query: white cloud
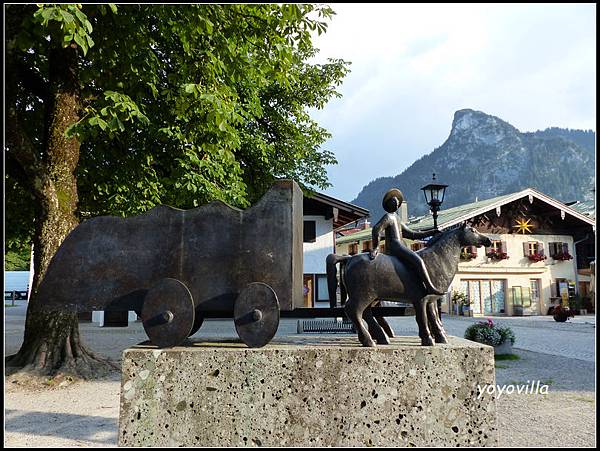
x=414 y=65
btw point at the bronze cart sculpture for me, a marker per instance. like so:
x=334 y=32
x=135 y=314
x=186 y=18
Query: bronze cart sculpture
x=176 y=267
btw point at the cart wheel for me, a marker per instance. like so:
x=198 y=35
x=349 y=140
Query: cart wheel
x=198 y=320
x=168 y=313
x=256 y=314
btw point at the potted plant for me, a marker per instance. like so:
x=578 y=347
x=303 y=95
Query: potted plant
x=561 y=314
x=459 y=300
x=501 y=338
x=466 y=307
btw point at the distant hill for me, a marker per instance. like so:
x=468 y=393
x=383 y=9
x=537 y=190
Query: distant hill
x=485 y=157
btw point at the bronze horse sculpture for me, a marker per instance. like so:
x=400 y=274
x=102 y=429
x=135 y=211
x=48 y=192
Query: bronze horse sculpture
x=367 y=280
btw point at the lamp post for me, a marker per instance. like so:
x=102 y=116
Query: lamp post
x=434 y=196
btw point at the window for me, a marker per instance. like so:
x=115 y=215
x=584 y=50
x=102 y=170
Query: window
x=534 y=285
x=310 y=231
x=533 y=248
x=497 y=251
x=417 y=245
x=353 y=249
x=498 y=246
x=560 y=250
x=516 y=296
x=366 y=246
x=526 y=296
x=486 y=296
x=468 y=252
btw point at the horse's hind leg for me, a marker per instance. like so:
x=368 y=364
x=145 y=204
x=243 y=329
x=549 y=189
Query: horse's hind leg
x=375 y=329
x=385 y=326
x=354 y=309
x=421 y=317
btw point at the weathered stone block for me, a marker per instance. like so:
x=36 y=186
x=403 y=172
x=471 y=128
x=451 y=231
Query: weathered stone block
x=308 y=392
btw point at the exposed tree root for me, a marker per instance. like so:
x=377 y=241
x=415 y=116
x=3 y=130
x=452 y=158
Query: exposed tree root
x=52 y=350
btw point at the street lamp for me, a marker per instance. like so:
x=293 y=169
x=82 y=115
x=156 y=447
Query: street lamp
x=434 y=196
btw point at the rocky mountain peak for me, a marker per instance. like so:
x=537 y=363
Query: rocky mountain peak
x=485 y=157
x=477 y=126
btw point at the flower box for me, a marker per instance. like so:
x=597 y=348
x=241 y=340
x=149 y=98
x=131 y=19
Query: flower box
x=536 y=257
x=562 y=256
x=496 y=255
x=466 y=256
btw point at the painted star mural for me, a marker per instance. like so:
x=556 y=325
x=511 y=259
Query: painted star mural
x=523 y=226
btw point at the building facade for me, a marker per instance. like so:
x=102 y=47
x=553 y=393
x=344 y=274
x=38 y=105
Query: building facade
x=323 y=216
x=541 y=253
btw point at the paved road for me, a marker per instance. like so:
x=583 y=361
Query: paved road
x=86 y=414
x=573 y=339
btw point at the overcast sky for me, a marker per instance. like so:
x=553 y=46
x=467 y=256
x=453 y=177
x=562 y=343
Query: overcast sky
x=413 y=66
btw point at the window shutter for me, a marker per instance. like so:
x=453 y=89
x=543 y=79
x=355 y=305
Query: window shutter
x=474 y=250
x=540 y=248
x=565 y=248
x=526 y=249
x=551 y=249
x=488 y=249
x=503 y=246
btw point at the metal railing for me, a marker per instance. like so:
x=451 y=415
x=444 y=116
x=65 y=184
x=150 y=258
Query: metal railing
x=325 y=326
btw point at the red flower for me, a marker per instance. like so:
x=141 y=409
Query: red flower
x=563 y=256
x=536 y=257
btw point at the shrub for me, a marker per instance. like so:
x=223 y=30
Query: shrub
x=488 y=333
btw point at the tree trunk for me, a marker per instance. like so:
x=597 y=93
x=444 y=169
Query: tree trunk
x=52 y=342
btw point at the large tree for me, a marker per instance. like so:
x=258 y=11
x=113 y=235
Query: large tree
x=114 y=111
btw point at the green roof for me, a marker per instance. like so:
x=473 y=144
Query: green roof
x=586 y=207
x=363 y=235
x=444 y=216
x=357 y=236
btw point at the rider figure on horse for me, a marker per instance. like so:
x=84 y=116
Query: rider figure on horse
x=394 y=232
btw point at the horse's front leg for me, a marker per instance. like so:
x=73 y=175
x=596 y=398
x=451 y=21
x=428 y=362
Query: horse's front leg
x=436 y=325
x=439 y=320
x=421 y=317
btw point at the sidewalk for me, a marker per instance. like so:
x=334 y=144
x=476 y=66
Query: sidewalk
x=546 y=321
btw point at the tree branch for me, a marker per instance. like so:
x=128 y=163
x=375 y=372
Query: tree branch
x=22 y=151
x=33 y=81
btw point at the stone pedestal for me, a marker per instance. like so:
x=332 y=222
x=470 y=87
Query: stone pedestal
x=318 y=391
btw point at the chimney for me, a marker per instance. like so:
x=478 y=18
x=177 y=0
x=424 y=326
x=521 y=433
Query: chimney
x=366 y=224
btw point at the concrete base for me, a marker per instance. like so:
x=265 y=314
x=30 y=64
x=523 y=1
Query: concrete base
x=315 y=391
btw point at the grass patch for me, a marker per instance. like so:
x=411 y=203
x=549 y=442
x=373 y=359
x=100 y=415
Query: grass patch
x=507 y=357
x=502 y=367
x=10 y=305
x=547 y=382
x=592 y=401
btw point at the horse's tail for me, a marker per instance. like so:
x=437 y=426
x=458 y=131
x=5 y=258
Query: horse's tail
x=332 y=280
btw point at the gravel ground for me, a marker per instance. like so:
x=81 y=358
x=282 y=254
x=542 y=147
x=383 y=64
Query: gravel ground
x=86 y=414
x=533 y=420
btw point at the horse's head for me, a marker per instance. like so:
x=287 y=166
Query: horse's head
x=468 y=236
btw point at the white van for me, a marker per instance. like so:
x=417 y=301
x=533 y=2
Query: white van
x=16 y=282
